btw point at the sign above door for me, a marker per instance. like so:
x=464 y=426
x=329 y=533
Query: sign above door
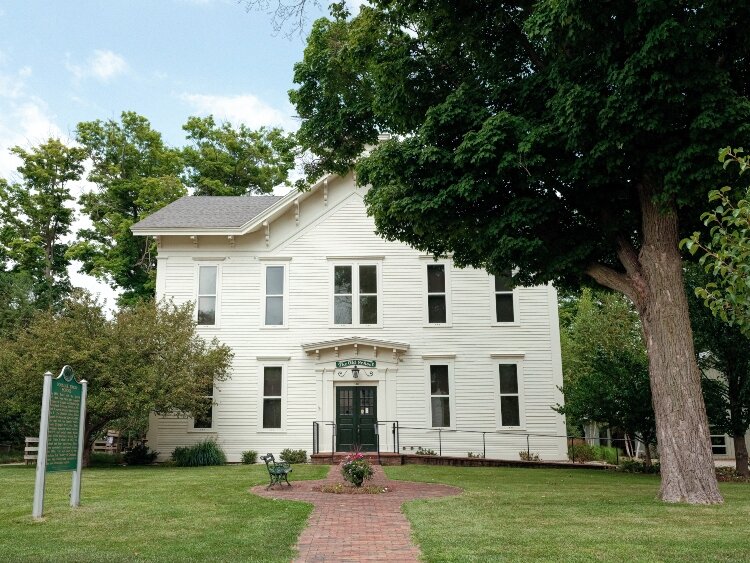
x=356 y=362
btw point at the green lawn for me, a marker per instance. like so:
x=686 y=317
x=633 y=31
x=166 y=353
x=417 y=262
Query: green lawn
x=151 y=514
x=184 y=514
x=509 y=514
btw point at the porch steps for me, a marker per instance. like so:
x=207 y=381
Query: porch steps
x=386 y=458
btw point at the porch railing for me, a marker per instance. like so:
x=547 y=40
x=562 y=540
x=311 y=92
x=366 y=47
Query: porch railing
x=429 y=437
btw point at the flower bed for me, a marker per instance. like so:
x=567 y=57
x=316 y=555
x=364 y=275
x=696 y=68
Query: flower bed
x=342 y=489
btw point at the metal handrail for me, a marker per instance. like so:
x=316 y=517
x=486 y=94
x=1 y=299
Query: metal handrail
x=316 y=435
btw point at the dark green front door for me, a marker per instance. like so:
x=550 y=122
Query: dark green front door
x=356 y=415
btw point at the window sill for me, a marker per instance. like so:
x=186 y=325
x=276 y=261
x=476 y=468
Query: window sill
x=202 y=431
x=519 y=429
x=363 y=327
x=274 y=327
x=438 y=325
x=514 y=323
x=271 y=431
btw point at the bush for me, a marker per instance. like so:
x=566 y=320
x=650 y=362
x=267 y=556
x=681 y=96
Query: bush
x=249 y=457
x=293 y=456
x=606 y=453
x=528 y=456
x=635 y=466
x=581 y=452
x=98 y=459
x=472 y=455
x=139 y=455
x=11 y=456
x=423 y=451
x=203 y=453
x=356 y=469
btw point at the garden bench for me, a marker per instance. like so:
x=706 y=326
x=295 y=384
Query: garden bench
x=277 y=470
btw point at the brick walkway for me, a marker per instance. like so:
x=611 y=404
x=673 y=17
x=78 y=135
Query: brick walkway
x=357 y=527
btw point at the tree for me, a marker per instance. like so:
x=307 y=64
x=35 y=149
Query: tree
x=605 y=367
x=224 y=160
x=35 y=216
x=147 y=358
x=135 y=174
x=727 y=254
x=565 y=141
x=724 y=354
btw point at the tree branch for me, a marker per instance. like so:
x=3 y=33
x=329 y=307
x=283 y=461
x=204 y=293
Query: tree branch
x=608 y=277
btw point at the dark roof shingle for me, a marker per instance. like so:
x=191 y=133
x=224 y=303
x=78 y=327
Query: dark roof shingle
x=208 y=212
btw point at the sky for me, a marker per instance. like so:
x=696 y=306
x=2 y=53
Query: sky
x=67 y=61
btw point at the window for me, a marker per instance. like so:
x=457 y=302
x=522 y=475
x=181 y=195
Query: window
x=504 y=300
x=207 y=295
x=437 y=302
x=355 y=294
x=272 y=386
x=718 y=444
x=275 y=288
x=510 y=396
x=204 y=420
x=440 y=402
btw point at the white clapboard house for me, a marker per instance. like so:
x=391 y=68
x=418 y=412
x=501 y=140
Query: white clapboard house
x=342 y=339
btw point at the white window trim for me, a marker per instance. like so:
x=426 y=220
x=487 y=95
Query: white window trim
x=448 y=301
x=493 y=307
x=355 y=264
x=197 y=278
x=212 y=428
x=440 y=361
x=285 y=295
x=271 y=363
x=499 y=360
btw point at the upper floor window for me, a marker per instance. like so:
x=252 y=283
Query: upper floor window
x=275 y=295
x=437 y=294
x=504 y=299
x=207 y=295
x=355 y=294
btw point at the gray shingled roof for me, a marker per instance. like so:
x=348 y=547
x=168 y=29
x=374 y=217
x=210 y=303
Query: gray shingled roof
x=208 y=212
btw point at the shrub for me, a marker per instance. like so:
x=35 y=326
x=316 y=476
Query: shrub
x=423 y=451
x=356 y=469
x=139 y=455
x=581 y=452
x=99 y=459
x=730 y=474
x=528 y=456
x=293 y=456
x=473 y=455
x=249 y=457
x=11 y=456
x=635 y=466
x=606 y=453
x=207 y=452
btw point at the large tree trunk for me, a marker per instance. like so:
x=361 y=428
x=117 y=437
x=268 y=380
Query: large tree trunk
x=740 y=455
x=653 y=281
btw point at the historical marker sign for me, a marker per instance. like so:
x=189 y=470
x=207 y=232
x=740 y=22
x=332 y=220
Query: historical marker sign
x=356 y=362
x=60 y=434
x=64 y=418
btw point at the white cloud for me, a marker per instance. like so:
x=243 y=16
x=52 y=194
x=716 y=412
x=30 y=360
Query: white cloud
x=243 y=108
x=102 y=65
x=25 y=120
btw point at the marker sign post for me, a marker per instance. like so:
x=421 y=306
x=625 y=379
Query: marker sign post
x=61 y=434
